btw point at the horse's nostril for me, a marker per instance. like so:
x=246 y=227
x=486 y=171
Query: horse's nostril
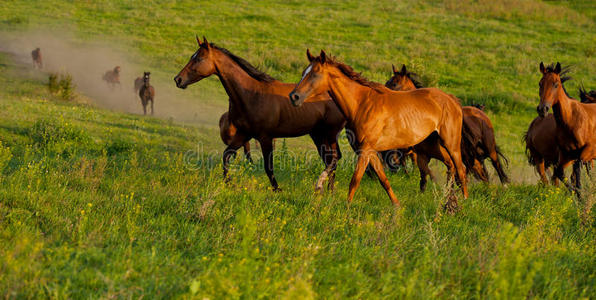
x=295 y=97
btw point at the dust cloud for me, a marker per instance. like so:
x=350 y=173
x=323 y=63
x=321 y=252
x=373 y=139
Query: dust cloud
x=88 y=61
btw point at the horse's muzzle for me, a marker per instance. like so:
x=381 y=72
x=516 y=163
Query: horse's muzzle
x=295 y=99
x=542 y=110
x=178 y=81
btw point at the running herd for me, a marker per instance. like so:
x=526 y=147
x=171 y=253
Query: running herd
x=386 y=123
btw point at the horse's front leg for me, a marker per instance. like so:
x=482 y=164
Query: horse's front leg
x=267 y=148
x=363 y=159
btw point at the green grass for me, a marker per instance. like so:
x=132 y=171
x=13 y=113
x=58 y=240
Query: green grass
x=96 y=203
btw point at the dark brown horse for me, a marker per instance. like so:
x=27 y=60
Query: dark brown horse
x=478 y=137
x=37 y=60
x=383 y=119
x=112 y=78
x=230 y=136
x=575 y=133
x=259 y=109
x=147 y=93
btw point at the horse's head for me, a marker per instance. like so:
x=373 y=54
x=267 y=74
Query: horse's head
x=401 y=80
x=198 y=67
x=314 y=82
x=550 y=86
x=146 y=77
x=117 y=70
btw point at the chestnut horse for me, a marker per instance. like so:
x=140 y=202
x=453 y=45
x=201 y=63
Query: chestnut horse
x=147 y=93
x=37 y=60
x=383 y=119
x=229 y=135
x=541 y=148
x=259 y=109
x=575 y=133
x=478 y=136
x=112 y=77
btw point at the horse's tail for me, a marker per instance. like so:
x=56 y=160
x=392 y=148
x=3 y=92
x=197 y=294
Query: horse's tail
x=529 y=149
x=468 y=146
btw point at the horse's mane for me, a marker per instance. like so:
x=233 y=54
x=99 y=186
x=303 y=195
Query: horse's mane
x=350 y=73
x=564 y=75
x=246 y=66
x=587 y=97
x=415 y=78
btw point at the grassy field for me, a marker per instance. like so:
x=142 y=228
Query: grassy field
x=100 y=203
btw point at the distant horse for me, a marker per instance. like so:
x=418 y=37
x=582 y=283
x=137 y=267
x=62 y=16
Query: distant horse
x=230 y=135
x=37 y=60
x=478 y=137
x=138 y=84
x=147 y=93
x=112 y=77
x=383 y=119
x=259 y=109
x=575 y=133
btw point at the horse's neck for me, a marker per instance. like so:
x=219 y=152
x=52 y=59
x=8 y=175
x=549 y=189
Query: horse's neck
x=237 y=83
x=348 y=95
x=563 y=111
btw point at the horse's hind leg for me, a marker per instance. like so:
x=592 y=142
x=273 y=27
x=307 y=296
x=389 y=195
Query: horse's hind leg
x=496 y=162
x=422 y=163
x=452 y=144
x=479 y=171
x=247 y=151
x=377 y=165
x=267 y=148
x=227 y=155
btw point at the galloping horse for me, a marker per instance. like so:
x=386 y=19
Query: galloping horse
x=541 y=148
x=384 y=119
x=147 y=93
x=575 y=133
x=36 y=56
x=478 y=136
x=259 y=109
x=229 y=135
x=112 y=77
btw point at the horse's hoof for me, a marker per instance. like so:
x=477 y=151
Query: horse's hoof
x=277 y=189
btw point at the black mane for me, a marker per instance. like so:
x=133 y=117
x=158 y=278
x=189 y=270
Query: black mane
x=246 y=66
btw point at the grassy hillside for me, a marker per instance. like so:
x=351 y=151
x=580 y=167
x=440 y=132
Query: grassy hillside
x=98 y=203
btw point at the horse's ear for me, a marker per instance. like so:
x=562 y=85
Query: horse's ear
x=323 y=56
x=403 y=70
x=558 y=68
x=205 y=42
x=309 y=56
x=198 y=40
x=393 y=68
x=542 y=68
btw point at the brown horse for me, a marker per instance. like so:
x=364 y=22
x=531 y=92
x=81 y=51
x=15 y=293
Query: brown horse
x=147 y=93
x=112 y=77
x=575 y=133
x=383 y=119
x=37 y=60
x=478 y=137
x=138 y=84
x=259 y=109
x=230 y=136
